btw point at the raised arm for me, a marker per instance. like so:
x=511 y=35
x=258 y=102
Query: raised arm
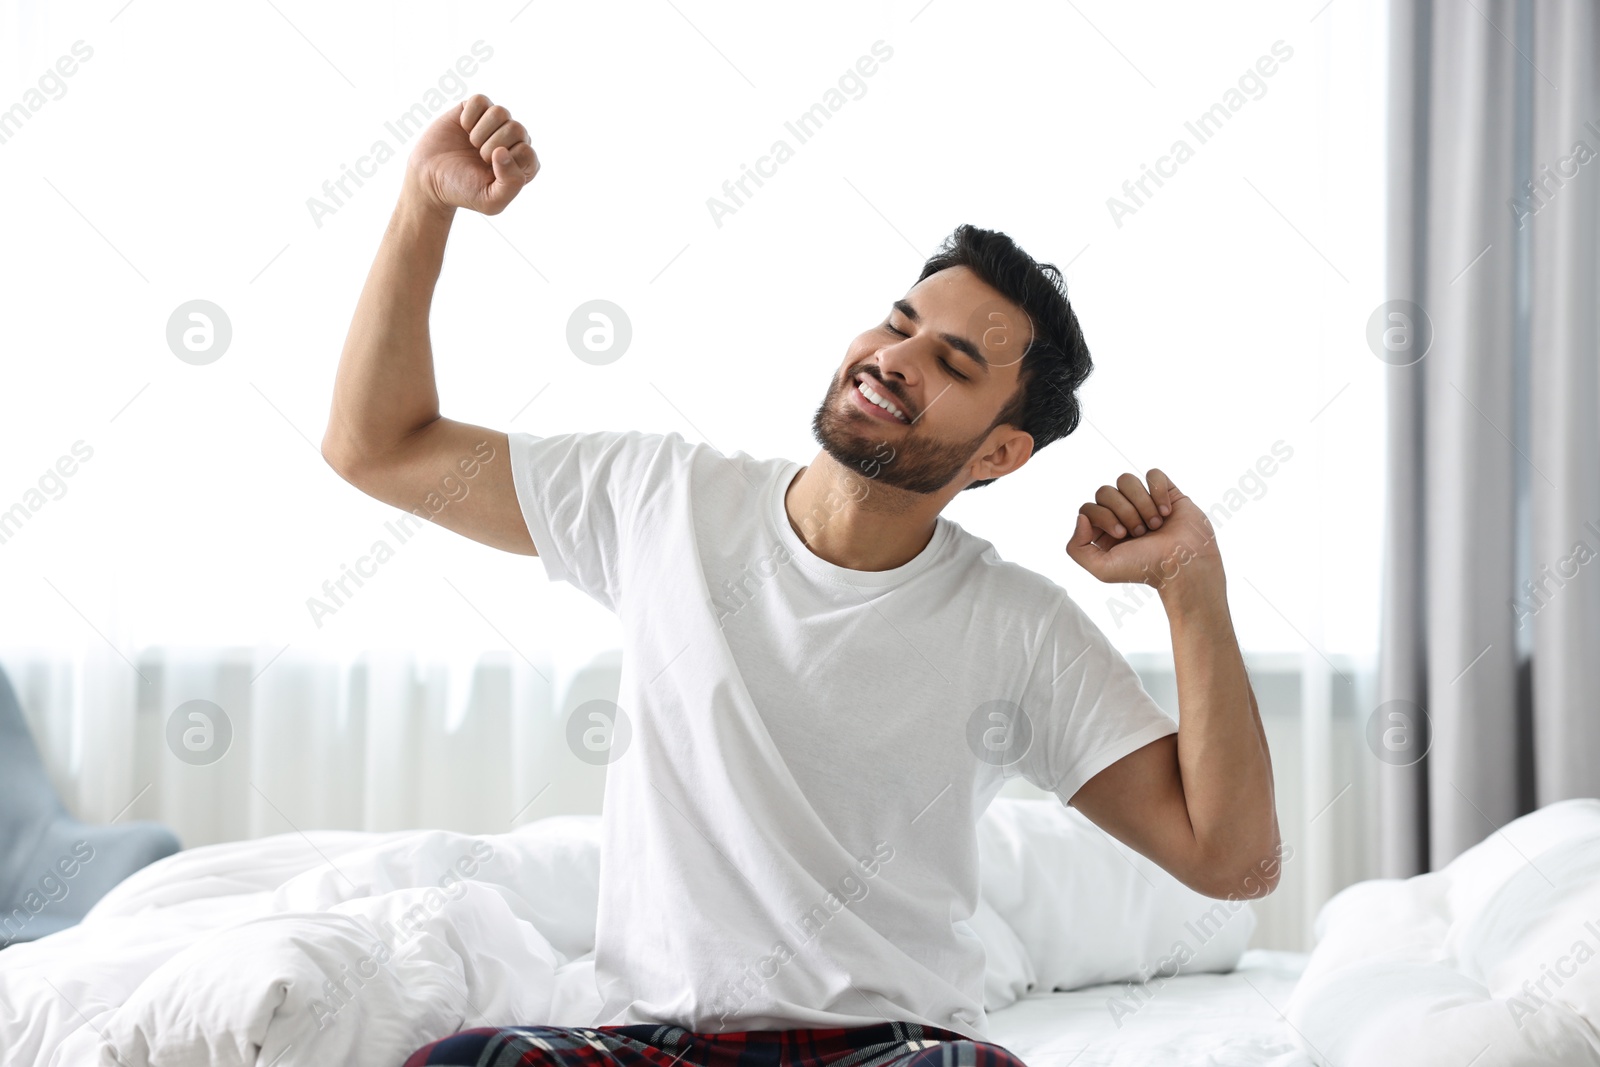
x=1200 y=803
x=385 y=435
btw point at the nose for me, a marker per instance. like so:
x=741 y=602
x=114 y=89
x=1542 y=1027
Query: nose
x=900 y=360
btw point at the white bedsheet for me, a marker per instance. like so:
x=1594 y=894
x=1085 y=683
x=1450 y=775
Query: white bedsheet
x=1215 y=1020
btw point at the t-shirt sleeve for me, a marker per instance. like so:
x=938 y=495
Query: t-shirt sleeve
x=1085 y=705
x=579 y=495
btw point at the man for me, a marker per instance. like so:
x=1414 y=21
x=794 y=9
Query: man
x=825 y=682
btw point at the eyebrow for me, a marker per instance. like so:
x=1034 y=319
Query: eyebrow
x=955 y=341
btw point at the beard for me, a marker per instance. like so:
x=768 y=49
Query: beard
x=916 y=464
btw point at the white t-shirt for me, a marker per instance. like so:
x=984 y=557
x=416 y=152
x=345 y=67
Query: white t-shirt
x=790 y=834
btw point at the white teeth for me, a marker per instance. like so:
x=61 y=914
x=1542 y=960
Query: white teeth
x=867 y=391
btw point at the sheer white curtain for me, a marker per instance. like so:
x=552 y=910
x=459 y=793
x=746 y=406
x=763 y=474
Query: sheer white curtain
x=385 y=740
x=249 y=157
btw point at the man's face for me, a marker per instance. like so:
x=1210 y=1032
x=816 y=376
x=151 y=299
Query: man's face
x=947 y=356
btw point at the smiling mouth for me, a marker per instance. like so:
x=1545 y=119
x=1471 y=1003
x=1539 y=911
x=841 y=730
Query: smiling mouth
x=877 y=400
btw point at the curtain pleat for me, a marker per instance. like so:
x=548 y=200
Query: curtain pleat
x=1566 y=403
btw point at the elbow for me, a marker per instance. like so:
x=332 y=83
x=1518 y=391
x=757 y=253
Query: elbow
x=342 y=461
x=339 y=453
x=1261 y=878
x=1249 y=875
x=354 y=455
x=333 y=457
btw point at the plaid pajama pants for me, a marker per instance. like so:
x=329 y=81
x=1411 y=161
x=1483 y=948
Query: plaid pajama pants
x=890 y=1044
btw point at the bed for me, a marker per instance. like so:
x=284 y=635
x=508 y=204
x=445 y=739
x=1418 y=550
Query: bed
x=1220 y=1020
x=266 y=952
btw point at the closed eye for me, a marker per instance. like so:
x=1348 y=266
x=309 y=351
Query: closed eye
x=942 y=361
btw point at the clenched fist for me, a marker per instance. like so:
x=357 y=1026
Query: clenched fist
x=1133 y=534
x=473 y=156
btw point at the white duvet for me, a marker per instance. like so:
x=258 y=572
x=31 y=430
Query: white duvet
x=357 y=948
x=1493 y=960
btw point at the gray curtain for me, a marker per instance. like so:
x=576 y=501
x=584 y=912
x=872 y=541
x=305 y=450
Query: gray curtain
x=1489 y=668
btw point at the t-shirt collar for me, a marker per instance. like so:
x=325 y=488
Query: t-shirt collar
x=815 y=565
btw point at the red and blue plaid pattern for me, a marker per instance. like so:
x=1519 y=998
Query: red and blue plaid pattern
x=890 y=1044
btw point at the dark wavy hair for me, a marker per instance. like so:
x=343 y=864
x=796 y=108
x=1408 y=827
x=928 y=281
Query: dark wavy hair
x=1045 y=405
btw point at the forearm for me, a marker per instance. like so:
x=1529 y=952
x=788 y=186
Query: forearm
x=384 y=389
x=1222 y=748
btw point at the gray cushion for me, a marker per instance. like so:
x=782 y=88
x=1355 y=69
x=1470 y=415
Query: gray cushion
x=54 y=867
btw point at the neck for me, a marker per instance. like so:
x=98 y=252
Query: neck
x=852 y=521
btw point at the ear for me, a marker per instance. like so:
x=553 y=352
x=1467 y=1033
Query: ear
x=1006 y=450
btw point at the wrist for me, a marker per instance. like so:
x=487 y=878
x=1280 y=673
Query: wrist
x=1200 y=585
x=418 y=201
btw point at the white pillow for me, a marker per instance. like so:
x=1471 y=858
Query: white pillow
x=1090 y=910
